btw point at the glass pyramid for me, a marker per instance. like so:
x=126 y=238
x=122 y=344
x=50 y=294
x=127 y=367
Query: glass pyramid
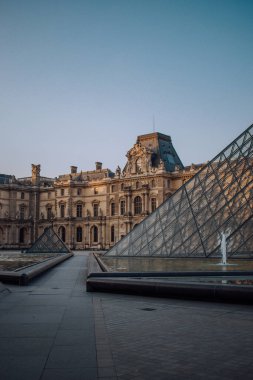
x=218 y=199
x=48 y=242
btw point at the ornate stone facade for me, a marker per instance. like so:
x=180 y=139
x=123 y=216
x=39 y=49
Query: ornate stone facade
x=91 y=209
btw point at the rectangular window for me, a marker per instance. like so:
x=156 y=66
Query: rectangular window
x=112 y=234
x=62 y=211
x=112 y=209
x=79 y=234
x=95 y=209
x=22 y=195
x=79 y=211
x=49 y=213
x=62 y=192
x=122 y=207
x=153 y=204
x=22 y=212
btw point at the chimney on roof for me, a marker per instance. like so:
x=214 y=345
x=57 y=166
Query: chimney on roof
x=73 y=169
x=98 y=165
x=35 y=174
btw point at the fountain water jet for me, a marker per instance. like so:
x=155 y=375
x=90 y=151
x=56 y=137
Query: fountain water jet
x=224 y=248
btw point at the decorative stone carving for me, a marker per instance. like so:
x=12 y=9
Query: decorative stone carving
x=35 y=170
x=118 y=172
x=139 y=160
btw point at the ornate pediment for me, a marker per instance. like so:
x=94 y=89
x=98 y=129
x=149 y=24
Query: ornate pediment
x=137 y=151
x=138 y=160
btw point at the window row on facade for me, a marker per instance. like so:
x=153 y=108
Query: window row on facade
x=23 y=234
x=137 y=206
x=114 y=188
x=94 y=236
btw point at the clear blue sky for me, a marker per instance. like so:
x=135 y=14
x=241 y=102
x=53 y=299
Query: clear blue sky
x=79 y=80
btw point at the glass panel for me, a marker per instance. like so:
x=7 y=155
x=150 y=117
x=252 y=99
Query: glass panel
x=156 y=243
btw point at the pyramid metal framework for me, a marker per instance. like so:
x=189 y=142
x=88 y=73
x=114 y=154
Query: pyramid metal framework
x=219 y=198
x=48 y=242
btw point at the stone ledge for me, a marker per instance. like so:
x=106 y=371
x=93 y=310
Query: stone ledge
x=24 y=276
x=183 y=289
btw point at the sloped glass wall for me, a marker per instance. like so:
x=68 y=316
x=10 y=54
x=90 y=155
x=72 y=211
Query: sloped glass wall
x=189 y=224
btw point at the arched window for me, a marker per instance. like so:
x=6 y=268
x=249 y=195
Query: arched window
x=79 y=234
x=79 y=211
x=22 y=235
x=153 y=204
x=112 y=208
x=95 y=234
x=112 y=234
x=137 y=205
x=62 y=233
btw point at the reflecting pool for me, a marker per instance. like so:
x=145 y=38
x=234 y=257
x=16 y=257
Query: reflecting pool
x=158 y=264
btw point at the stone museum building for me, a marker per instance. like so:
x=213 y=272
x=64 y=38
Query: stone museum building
x=91 y=209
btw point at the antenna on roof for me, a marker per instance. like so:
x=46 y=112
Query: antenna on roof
x=153 y=123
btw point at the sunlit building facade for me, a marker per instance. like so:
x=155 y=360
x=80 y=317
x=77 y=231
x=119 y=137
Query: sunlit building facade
x=91 y=209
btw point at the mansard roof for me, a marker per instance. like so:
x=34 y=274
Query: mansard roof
x=6 y=178
x=163 y=150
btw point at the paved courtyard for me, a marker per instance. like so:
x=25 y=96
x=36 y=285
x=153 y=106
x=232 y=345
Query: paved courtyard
x=53 y=329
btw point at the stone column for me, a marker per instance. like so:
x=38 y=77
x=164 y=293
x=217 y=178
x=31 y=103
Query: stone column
x=87 y=234
x=130 y=204
x=147 y=201
x=143 y=202
x=100 y=233
x=103 y=234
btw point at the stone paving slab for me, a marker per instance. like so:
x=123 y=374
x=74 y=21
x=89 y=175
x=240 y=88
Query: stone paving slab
x=54 y=330
x=47 y=329
x=172 y=339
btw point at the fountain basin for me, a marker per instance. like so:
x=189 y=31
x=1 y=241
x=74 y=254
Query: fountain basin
x=176 y=278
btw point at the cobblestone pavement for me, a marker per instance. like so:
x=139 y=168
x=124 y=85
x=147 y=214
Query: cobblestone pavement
x=175 y=339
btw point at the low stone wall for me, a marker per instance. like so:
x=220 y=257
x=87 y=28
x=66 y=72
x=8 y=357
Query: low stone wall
x=24 y=276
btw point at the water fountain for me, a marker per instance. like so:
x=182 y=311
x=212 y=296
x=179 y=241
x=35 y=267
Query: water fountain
x=224 y=248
